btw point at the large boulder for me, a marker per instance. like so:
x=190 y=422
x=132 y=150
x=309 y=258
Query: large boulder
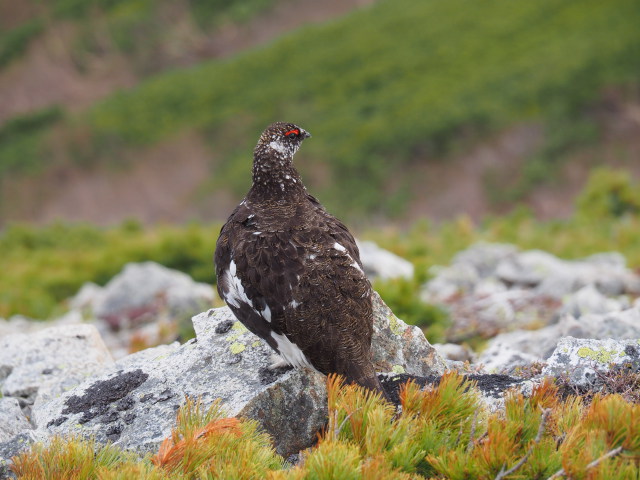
x=39 y=366
x=133 y=404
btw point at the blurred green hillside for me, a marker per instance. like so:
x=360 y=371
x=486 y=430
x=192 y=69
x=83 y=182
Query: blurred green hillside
x=383 y=90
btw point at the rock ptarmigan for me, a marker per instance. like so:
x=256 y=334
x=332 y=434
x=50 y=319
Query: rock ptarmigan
x=291 y=272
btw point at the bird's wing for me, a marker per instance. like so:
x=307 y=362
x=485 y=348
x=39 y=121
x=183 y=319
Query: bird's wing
x=329 y=316
x=238 y=282
x=337 y=230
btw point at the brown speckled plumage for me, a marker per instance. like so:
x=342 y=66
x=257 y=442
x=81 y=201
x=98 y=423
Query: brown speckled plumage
x=291 y=272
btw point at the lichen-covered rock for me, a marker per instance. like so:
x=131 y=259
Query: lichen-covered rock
x=580 y=360
x=39 y=366
x=380 y=263
x=492 y=388
x=401 y=348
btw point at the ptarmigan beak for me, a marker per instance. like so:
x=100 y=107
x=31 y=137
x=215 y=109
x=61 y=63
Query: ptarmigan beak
x=306 y=134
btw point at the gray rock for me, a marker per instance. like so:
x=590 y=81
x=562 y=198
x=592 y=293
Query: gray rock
x=502 y=357
x=401 y=348
x=88 y=297
x=134 y=406
x=580 y=360
x=455 y=352
x=380 y=263
x=489 y=289
x=15 y=446
x=589 y=300
x=39 y=366
x=485 y=257
x=508 y=350
x=10 y=449
x=144 y=289
x=449 y=283
x=12 y=420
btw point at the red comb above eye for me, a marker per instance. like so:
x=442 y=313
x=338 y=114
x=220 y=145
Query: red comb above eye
x=295 y=130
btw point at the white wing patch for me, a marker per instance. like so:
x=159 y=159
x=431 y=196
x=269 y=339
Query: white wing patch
x=357 y=267
x=290 y=352
x=266 y=313
x=236 y=294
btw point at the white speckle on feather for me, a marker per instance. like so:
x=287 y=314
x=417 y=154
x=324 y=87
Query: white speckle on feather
x=339 y=247
x=357 y=267
x=294 y=304
x=257 y=233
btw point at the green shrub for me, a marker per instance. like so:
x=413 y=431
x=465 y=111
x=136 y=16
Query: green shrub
x=14 y=42
x=609 y=194
x=442 y=432
x=20 y=145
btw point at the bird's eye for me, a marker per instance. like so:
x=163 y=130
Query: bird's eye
x=292 y=133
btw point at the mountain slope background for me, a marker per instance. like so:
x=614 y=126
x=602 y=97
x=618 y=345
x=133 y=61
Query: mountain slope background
x=417 y=108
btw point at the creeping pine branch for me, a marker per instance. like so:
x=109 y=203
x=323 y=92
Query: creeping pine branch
x=337 y=432
x=523 y=460
x=473 y=431
x=595 y=463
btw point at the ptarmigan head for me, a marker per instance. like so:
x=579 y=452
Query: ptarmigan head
x=280 y=140
x=273 y=170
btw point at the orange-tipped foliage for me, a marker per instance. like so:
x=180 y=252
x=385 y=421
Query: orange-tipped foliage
x=349 y=408
x=545 y=395
x=334 y=383
x=451 y=402
x=171 y=453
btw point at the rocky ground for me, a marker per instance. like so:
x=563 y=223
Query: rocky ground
x=575 y=321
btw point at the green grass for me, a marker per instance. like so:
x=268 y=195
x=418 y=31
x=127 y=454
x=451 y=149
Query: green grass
x=43 y=266
x=385 y=84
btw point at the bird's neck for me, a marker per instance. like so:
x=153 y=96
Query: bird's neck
x=274 y=176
